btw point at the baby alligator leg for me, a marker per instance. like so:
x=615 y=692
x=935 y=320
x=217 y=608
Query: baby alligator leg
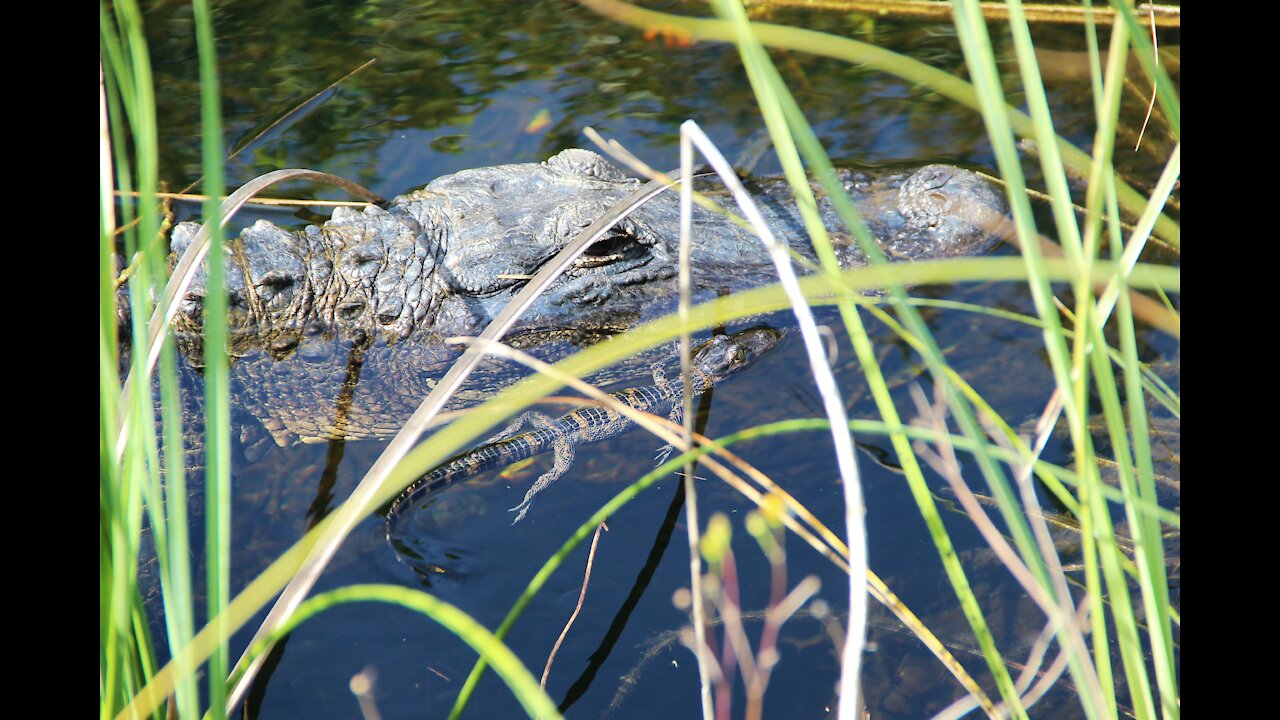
x=563 y=451
x=677 y=412
x=532 y=417
x=676 y=417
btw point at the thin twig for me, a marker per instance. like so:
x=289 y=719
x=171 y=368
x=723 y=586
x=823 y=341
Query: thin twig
x=886 y=597
x=1060 y=611
x=768 y=656
x=299 y=108
x=690 y=487
x=1155 y=53
x=586 y=578
x=1029 y=147
x=1055 y=670
x=165 y=224
x=736 y=651
x=1074 y=632
x=1035 y=657
x=1169 y=15
x=1143 y=308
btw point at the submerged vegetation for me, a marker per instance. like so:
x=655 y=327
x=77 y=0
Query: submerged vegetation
x=1112 y=626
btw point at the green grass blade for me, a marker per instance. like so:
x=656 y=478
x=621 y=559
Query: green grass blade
x=523 y=685
x=217 y=402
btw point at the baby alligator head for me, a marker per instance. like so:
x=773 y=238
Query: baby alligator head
x=723 y=355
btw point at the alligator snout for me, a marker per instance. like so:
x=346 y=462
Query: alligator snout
x=947 y=212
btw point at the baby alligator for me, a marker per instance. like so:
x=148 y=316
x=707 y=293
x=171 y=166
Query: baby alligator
x=713 y=361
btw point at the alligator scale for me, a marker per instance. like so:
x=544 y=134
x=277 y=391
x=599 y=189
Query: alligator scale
x=338 y=329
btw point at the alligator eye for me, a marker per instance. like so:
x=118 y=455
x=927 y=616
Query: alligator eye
x=921 y=201
x=607 y=250
x=612 y=245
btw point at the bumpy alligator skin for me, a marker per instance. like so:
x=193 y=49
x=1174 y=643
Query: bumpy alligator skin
x=370 y=296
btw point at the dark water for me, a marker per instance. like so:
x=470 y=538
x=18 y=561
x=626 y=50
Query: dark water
x=459 y=85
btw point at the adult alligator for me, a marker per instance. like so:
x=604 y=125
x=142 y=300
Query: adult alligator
x=380 y=290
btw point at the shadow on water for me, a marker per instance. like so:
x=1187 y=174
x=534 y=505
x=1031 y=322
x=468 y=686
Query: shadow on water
x=459 y=85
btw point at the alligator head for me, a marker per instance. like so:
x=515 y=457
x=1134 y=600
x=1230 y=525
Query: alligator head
x=445 y=259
